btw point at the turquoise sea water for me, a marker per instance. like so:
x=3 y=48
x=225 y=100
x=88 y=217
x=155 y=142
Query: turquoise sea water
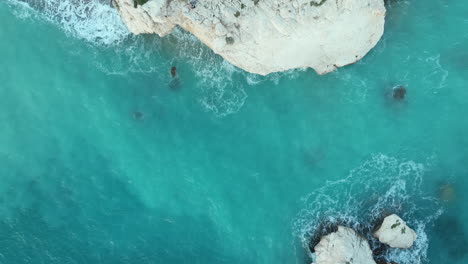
x=223 y=166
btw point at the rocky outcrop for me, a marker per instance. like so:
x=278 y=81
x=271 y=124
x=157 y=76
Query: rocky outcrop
x=395 y=233
x=343 y=247
x=264 y=36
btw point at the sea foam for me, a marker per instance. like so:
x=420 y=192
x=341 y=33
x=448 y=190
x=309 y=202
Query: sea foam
x=99 y=24
x=93 y=21
x=221 y=86
x=381 y=185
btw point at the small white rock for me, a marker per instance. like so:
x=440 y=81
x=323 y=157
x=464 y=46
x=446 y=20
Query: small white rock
x=395 y=233
x=343 y=247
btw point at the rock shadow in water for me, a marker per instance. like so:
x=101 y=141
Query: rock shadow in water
x=175 y=84
x=137 y=115
x=313 y=157
x=446 y=192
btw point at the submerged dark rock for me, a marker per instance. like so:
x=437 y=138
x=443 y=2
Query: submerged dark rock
x=446 y=192
x=379 y=250
x=175 y=84
x=138 y=115
x=399 y=92
x=173 y=71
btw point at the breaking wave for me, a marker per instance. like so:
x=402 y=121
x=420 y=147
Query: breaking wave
x=380 y=186
x=118 y=52
x=94 y=21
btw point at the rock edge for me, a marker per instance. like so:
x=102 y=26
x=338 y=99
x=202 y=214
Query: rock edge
x=265 y=36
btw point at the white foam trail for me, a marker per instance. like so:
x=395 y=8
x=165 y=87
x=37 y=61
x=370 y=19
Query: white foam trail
x=91 y=20
x=379 y=186
x=220 y=93
x=436 y=73
x=221 y=85
x=355 y=90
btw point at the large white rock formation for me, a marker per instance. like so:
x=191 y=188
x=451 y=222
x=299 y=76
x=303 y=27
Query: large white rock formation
x=264 y=36
x=395 y=233
x=343 y=247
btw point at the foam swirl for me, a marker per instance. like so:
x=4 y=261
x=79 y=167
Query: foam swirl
x=381 y=185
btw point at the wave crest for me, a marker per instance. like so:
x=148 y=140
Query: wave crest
x=222 y=87
x=94 y=21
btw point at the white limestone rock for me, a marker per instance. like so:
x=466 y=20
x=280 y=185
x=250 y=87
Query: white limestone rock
x=265 y=36
x=343 y=247
x=395 y=233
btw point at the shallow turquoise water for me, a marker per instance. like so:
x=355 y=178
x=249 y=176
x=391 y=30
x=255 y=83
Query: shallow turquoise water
x=224 y=166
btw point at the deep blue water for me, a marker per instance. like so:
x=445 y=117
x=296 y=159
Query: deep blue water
x=104 y=158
